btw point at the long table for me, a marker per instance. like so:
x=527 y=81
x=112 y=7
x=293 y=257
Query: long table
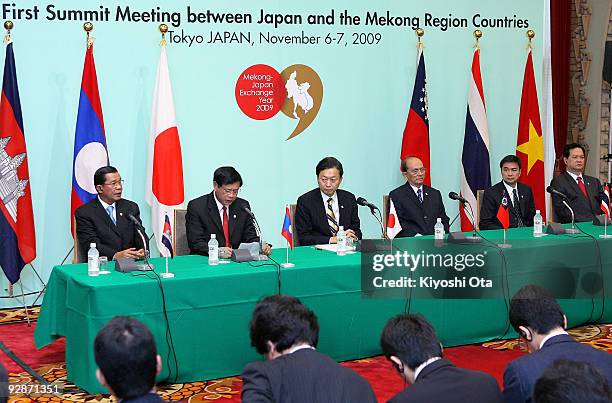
x=209 y=307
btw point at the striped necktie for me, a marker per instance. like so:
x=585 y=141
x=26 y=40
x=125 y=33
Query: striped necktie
x=331 y=217
x=109 y=210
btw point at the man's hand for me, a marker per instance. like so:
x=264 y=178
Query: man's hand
x=266 y=249
x=225 y=252
x=129 y=253
x=351 y=233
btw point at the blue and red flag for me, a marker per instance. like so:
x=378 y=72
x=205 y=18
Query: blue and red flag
x=475 y=170
x=287 y=231
x=605 y=201
x=415 y=142
x=90 y=151
x=17 y=236
x=502 y=212
x=166 y=238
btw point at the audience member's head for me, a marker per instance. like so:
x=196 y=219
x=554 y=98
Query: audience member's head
x=534 y=314
x=3 y=385
x=571 y=382
x=126 y=356
x=408 y=340
x=281 y=322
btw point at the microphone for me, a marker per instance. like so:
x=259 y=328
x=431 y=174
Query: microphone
x=135 y=220
x=455 y=196
x=256 y=224
x=249 y=212
x=363 y=202
x=554 y=191
x=141 y=231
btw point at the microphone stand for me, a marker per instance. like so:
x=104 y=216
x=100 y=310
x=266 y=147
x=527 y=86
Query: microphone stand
x=475 y=238
x=144 y=245
x=258 y=232
x=573 y=229
x=379 y=219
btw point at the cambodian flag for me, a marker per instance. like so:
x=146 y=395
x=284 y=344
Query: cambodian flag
x=287 y=231
x=90 y=151
x=167 y=236
x=17 y=236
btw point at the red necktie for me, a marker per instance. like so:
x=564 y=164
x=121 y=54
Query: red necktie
x=582 y=187
x=226 y=228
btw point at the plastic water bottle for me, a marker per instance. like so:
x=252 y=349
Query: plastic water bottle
x=213 y=250
x=537 y=224
x=439 y=229
x=341 y=240
x=93 y=260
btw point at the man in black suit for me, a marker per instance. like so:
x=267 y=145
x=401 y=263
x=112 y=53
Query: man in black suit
x=410 y=343
x=320 y=212
x=521 y=207
x=105 y=220
x=538 y=319
x=418 y=206
x=127 y=360
x=584 y=192
x=569 y=381
x=286 y=332
x=222 y=213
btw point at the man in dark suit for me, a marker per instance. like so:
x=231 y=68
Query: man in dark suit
x=418 y=206
x=222 y=213
x=410 y=343
x=569 y=381
x=3 y=385
x=127 y=360
x=584 y=192
x=519 y=196
x=105 y=220
x=320 y=212
x=286 y=332
x=538 y=319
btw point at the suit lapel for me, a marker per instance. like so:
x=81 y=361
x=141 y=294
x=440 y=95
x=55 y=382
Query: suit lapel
x=343 y=210
x=233 y=218
x=573 y=185
x=322 y=214
x=413 y=197
x=213 y=212
x=107 y=218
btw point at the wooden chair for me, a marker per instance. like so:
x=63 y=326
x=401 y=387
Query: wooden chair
x=292 y=208
x=76 y=257
x=179 y=235
x=479 y=197
x=385 y=212
x=550 y=211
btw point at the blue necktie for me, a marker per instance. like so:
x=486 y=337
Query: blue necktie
x=109 y=210
x=420 y=195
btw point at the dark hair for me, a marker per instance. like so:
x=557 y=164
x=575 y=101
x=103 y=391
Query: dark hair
x=571 y=382
x=3 y=385
x=226 y=176
x=125 y=352
x=569 y=147
x=327 y=163
x=100 y=175
x=284 y=321
x=411 y=338
x=535 y=307
x=510 y=159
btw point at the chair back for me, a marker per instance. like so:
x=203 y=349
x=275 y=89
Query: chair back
x=179 y=235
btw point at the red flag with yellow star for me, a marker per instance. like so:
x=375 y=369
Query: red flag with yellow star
x=529 y=142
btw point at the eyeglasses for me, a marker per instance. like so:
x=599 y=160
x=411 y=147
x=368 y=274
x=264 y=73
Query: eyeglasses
x=417 y=171
x=230 y=191
x=115 y=184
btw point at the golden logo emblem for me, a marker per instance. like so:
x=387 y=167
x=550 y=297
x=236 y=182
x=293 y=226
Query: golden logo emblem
x=304 y=96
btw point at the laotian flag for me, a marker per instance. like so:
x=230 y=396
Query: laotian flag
x=415 y=141
x=164 y=188
x=475 y=169
x=17 y=236
x=167 y=236
x=287 y=231
x=90 y=151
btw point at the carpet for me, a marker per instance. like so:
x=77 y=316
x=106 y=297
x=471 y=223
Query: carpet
x=491 y=357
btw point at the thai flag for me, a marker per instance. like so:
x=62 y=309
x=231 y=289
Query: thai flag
x=287 y=231
x=475 y=170
x=415 y=141
x=90 y=151
x=605 y=202
x=167 y=236
x=17 y=236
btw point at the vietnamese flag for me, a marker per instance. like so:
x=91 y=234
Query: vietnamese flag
x=529 y=142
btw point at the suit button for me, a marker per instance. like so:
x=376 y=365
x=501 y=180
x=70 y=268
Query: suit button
x=425 y=217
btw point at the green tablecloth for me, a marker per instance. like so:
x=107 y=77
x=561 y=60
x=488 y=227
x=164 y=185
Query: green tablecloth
x=209 y=307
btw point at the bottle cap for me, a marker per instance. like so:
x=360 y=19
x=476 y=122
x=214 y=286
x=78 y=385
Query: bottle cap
x=92 y=245
x=537 y=211
x=438 y=219
x=341 y=228
x=213 y=236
